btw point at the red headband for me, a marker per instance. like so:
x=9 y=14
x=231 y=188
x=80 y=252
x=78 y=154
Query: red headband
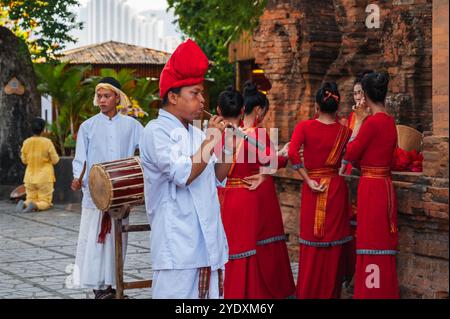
x=329 y=94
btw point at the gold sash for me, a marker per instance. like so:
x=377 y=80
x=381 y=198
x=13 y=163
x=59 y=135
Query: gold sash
x=385 y=173
x=325 y=175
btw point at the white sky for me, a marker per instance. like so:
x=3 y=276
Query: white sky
x=142 y=5
x=148 y=4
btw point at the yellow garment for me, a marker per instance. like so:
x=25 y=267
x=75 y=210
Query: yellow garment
x=39 y=154
x=40 y=194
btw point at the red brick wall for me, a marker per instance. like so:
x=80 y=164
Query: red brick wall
x=440 y=68
x=295 y=58
x=436 y=143
x=301 y=43
x=435 y=153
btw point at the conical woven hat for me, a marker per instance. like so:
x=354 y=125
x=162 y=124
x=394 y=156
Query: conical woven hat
x=409 y=139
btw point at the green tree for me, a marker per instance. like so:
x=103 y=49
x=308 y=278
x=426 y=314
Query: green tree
x=44 y=25
x=213 y=24
x=71 y=96
x=145 y=93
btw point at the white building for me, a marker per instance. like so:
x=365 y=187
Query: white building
x=115 y=20
x=46 y=109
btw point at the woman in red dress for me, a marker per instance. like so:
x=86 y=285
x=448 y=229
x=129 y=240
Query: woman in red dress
x=350 y=247
x=240 y=209
x=372 y=149
x=324 y=213
x=277 y=281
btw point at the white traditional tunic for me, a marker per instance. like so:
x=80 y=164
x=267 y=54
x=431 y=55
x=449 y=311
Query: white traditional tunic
x=186 y=226
x=100 y=139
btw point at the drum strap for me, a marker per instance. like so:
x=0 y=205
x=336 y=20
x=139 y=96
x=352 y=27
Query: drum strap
x=105 y=228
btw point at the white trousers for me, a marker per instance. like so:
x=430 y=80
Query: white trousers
x=182 y=284
x=94 y=262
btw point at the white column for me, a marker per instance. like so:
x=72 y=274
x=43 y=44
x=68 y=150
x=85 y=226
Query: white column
x=46 y=109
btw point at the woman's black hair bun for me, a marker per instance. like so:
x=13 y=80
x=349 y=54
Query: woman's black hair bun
x=250 y=89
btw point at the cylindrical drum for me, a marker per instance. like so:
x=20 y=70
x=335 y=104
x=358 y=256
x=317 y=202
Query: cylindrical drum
x=116 y=183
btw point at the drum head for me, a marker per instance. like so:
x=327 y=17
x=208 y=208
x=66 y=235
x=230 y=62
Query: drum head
x=100 y=187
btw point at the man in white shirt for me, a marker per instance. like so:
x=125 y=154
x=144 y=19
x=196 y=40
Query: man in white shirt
x=181 y=174
x=104 y=137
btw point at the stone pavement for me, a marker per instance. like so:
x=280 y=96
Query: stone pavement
x=37 y=253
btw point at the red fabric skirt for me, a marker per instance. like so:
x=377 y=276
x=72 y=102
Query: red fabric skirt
x=320 y=272
x=272 y=254
x=376 y=199
x=239 y=208
x=277 y=281
x=242 y=279
x=337 y=216
x=376 y=277
x=377 y=217
x=270 y=221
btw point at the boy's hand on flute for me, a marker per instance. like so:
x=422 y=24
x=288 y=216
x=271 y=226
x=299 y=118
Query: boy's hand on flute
x=216 y=125
x=216 y=122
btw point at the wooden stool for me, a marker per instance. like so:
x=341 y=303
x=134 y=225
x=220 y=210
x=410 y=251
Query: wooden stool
x=118 y=215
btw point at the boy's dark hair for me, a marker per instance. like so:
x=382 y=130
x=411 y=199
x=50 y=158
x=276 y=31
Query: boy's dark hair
x=254 y=98
x=375 y=86
x=37 y=125
x=165 y=99
x=112 y=81
x=230 y=102
x=328 y=97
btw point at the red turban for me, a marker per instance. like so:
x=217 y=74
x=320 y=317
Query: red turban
x=187 y=66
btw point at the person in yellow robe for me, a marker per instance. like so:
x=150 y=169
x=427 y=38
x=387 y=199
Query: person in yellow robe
x=39 y=155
